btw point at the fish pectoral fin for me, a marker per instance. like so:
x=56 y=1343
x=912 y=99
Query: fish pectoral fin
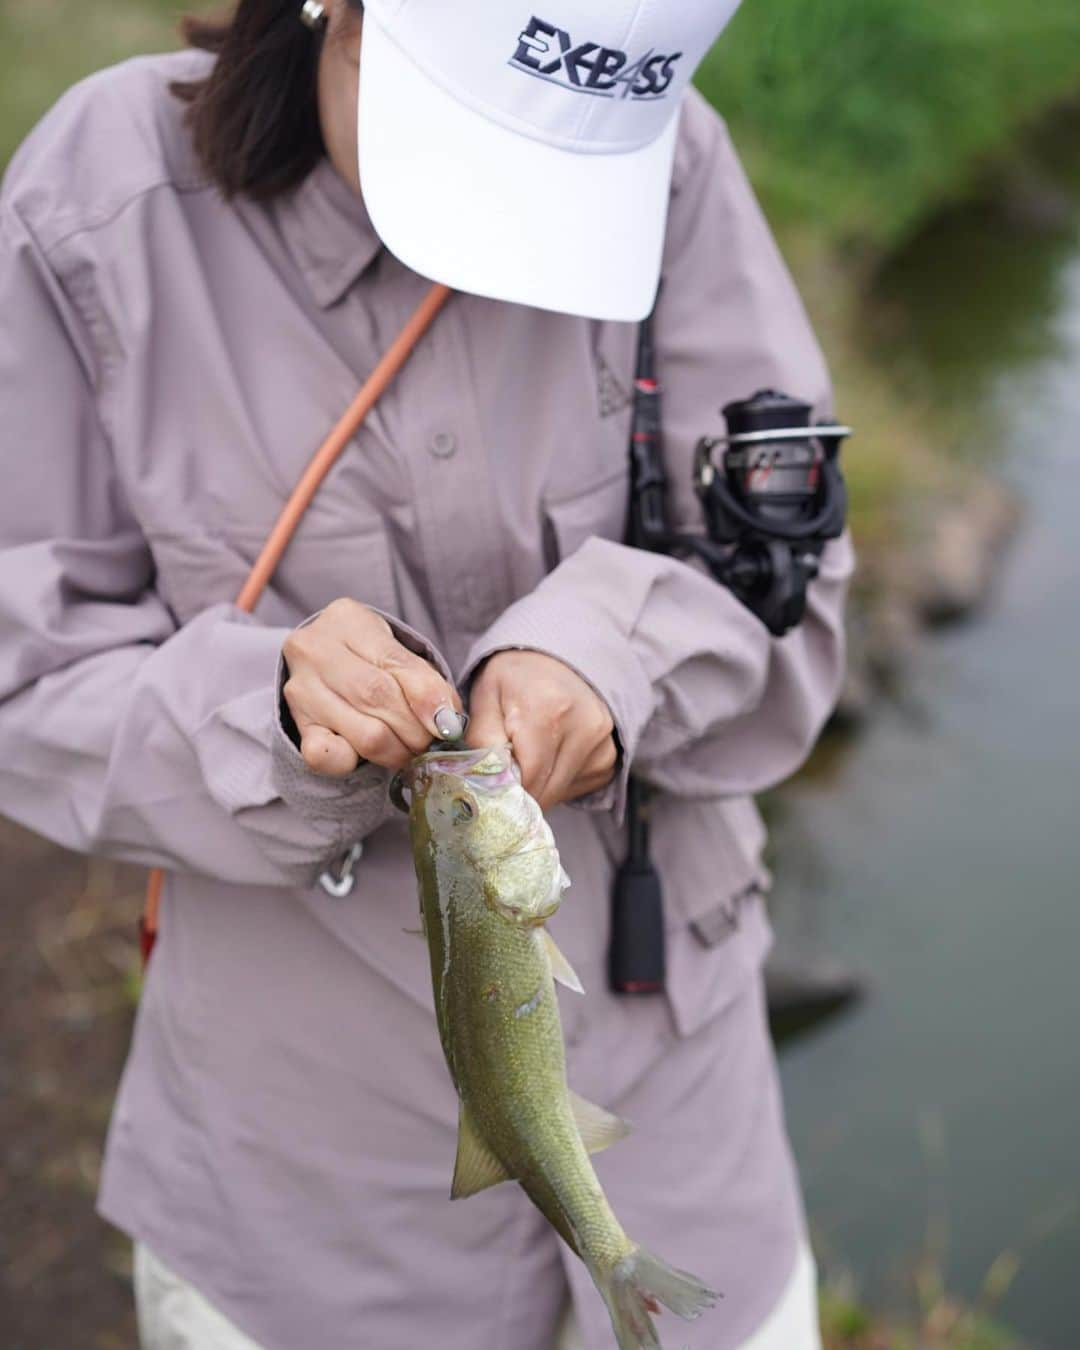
x=476 y=1167
x=561 y=969
x=599 y=1129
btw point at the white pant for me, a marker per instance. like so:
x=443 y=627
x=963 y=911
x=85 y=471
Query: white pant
x=793 y=1323
x=174 y=1316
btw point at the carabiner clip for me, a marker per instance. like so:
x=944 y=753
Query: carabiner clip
x=342 y=883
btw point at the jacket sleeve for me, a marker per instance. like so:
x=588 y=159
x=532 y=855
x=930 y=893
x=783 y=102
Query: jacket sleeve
x=706 y=702
x=121 y=734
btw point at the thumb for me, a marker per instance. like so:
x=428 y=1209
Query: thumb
x=487 y=724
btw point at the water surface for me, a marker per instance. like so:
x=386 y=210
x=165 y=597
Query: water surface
x=944 y=855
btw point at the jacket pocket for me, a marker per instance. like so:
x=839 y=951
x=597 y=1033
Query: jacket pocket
x=197 y=570
x=708 y=854
x=598 y=510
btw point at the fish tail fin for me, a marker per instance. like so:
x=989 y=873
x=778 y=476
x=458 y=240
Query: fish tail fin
x=636 y=1287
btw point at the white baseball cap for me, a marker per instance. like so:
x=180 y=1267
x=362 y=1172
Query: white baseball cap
x=525 y=154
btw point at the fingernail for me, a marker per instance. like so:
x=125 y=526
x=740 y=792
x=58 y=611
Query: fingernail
x=450 y=724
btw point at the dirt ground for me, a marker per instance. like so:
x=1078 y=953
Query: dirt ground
x=67 y=970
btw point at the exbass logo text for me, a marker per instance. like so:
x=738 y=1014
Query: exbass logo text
x=590 y=68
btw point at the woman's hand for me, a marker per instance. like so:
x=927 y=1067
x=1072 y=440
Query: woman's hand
x=561 y=731
x=356 y=693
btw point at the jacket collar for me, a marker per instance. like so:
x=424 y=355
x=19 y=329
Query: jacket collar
x=329 y=233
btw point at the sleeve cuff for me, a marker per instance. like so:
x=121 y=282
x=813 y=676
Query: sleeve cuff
x=594 y=648
x=353 y=806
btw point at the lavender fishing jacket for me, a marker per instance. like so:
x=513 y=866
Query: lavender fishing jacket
x=168 y=364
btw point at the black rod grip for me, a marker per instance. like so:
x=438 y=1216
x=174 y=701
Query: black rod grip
x=636 y=959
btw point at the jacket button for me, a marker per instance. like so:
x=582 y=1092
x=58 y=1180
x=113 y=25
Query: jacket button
x=442 y=444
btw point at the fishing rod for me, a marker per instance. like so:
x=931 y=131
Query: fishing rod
x=772 y=495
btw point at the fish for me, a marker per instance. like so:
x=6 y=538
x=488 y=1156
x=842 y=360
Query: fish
x=489 y=879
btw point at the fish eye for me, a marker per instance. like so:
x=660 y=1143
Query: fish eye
x=463 y=809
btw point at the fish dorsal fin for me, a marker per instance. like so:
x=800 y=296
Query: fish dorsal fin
x=598 y=1128
x=561 y=969
x=476 y=1167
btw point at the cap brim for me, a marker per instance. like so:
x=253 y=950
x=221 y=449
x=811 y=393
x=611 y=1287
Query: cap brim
x=465 y=201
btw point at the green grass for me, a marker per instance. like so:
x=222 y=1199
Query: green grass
x=863 y=116
x=46 y=45
x=936 y=1321
x=847 y=1325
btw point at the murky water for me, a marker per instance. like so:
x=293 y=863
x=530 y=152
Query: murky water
x=943 y=1118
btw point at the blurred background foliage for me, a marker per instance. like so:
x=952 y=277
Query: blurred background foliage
x=860 y=122
x=861 y=117
x=46 y=45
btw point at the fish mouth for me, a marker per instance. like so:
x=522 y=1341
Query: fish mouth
x=483 y=768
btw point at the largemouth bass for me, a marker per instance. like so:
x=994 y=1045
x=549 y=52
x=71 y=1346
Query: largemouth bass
x=489 y=877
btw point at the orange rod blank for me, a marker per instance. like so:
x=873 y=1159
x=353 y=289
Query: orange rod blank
x=301 y=498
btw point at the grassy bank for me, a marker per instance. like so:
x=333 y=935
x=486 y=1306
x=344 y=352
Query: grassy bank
x=858 y=118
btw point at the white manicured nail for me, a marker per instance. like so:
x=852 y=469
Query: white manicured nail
x=450 y=724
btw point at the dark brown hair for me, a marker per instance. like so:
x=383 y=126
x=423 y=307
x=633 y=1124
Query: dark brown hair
x=255 y=118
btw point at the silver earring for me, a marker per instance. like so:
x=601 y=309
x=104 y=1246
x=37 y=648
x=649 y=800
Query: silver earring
x=313 y=14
